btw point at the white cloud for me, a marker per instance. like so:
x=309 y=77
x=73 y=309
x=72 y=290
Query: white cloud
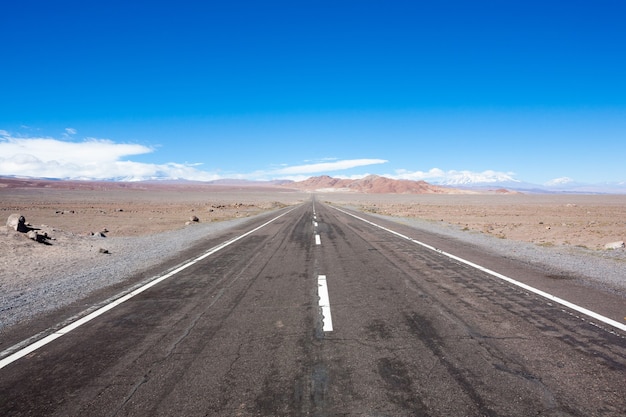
x=326 y=166
x=559 y=181
x=90 y=159
x=70 y=131
x=453 y=177
x=305 y=171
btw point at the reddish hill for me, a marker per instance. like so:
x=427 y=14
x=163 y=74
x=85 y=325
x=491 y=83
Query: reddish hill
x=372 y=184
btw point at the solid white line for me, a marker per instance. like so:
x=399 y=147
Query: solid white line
x=122 y=298
x=318 y=240
x=322 y=291
x=527 y=287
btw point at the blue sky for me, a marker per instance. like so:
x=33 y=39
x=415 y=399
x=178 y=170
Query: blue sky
x=529 y=90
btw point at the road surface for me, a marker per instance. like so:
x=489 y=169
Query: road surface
x=319 y=313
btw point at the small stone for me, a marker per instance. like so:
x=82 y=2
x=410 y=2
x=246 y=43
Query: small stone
x=37 y=237
x=615 y=245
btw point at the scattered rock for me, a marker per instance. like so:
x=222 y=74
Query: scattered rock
x=103 y=250
x=17 y=222
x=615 y=245
x=194 y=219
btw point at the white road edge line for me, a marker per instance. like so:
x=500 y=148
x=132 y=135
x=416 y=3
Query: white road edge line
x=322 y=291
x=541 y=293
x=318 y=240
x=122 y=298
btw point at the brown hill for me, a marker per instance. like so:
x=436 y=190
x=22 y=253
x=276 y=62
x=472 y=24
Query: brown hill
x=372 y=184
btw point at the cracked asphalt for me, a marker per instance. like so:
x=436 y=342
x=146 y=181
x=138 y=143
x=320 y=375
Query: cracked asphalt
x=414 y=334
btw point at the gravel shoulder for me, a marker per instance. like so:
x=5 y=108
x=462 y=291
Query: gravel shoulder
x=37 y=278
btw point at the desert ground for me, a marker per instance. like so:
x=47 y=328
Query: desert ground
x=86 y=222
x=72 y=212
x=589 y=221
x=82 y=209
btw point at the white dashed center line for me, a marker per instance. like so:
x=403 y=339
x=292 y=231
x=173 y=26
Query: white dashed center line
x=318 y=240
x=322 y=290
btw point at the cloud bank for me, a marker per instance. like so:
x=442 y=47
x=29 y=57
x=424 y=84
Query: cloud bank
x=92 y=158
x=103 y=159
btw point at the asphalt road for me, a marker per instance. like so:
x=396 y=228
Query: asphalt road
x=404 y=331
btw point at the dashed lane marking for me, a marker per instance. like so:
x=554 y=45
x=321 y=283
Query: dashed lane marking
x=322 y=291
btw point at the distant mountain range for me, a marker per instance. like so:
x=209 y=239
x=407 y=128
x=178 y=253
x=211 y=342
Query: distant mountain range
x=373 y=184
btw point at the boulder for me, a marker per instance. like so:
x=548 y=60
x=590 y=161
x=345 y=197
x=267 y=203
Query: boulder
x=615 y=245
x=194 y=219
x=17 y=222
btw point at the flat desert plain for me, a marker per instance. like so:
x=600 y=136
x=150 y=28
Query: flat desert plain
x=589 y=221
x=82 y=219
x=136 y=209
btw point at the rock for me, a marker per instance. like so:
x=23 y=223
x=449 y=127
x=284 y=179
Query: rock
x=17 y=222
x=103 y=250
x=194 y=219
x=37 y=237
x=615 y=245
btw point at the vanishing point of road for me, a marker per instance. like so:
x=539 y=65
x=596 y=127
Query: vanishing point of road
x=320 y=311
